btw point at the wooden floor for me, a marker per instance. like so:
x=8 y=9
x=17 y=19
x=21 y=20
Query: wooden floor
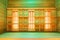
x=29 y=38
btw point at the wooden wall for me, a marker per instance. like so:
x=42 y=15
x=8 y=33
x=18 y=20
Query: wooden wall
x=3 y=6
x=58 y=14
x=31 y=4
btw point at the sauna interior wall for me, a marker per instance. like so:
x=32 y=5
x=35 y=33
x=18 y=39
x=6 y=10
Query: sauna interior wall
x=31 y=4
x=39 y=14
x=3 y=7
x=58 y=14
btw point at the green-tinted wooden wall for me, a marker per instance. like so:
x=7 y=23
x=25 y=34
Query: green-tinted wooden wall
x=58 y=14
x=31 y=3
x=3 y=7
